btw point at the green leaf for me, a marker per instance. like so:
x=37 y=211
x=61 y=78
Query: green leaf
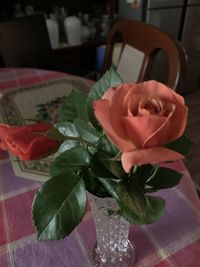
x=98 y=168
x=70 y=161
x=132 y=201
x=181 y=145
x=67 y=145
x=74 y=107
x=114 y=166
x=59 y=206
x=154 y=209
x=164 y=178
x=86 y=132
x=136 y=207
x=143 y=173
x=66 y=128
x=110 y=185
x=54 y=134
x=109 y=79
x=94 y=186
x=108 y=147
x=68 y=131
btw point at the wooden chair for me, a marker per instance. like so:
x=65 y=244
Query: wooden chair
x=148 y=40
x=24 y=42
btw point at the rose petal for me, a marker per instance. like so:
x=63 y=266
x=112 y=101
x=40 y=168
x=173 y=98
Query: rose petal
x=39 y=127
x=39 y=147
x=101 y=111
x=172 y=129
x=116 y=105
x=131 y=104
x=109 y=93
x=6 y=129
x=178 y=98
x=178 y=122
x=140 y=128
x=148 y=156
x=156 y=89
x=161 y=135
x=20 y=139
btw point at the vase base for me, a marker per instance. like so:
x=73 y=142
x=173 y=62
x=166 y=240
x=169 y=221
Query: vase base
x=126 y=261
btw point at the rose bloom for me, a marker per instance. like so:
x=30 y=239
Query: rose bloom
x=140 y=119
x=27 y=142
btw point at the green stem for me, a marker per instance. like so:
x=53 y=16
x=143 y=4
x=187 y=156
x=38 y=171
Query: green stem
x=154 y=172
x=135 y=169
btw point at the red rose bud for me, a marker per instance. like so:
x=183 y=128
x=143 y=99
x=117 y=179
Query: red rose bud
x=27 y=142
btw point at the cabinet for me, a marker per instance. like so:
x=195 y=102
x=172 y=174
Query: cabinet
x=73 y=59
x=79 y=59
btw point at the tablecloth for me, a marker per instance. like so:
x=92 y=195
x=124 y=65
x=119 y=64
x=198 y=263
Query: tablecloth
x=174 y=240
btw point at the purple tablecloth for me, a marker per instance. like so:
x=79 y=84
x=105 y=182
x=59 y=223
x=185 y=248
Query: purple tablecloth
x=172 y=241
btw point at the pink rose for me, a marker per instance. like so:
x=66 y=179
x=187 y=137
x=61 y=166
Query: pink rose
x=140 y=119
x=27 y=142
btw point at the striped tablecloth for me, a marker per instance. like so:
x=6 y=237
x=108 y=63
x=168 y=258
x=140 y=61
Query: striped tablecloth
x=172 y=241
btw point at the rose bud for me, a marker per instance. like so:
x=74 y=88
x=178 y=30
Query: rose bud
x=27 y=142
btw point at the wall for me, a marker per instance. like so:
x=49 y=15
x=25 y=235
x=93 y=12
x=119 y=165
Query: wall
x=126 y=12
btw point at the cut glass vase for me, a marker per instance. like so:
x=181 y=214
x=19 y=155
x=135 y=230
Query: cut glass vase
x=113 y=248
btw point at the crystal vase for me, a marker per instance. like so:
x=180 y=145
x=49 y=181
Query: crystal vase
x=112 y=248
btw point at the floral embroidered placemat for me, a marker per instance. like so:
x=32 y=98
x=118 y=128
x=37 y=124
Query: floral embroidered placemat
x=37 y=102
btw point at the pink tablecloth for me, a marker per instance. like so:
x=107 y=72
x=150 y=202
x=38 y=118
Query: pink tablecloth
x=172 y=241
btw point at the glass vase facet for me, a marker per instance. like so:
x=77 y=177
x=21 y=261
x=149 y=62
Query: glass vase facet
x=112 y=247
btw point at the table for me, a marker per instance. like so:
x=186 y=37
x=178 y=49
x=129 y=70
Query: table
x=172 y=241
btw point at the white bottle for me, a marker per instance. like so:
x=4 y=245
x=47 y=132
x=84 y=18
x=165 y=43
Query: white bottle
x=29 y=10
x=18 y=13
x=52 y=27
x=73 y=30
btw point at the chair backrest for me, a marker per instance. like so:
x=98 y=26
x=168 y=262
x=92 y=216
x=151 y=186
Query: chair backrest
x=148 y=40
x=24 y=42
